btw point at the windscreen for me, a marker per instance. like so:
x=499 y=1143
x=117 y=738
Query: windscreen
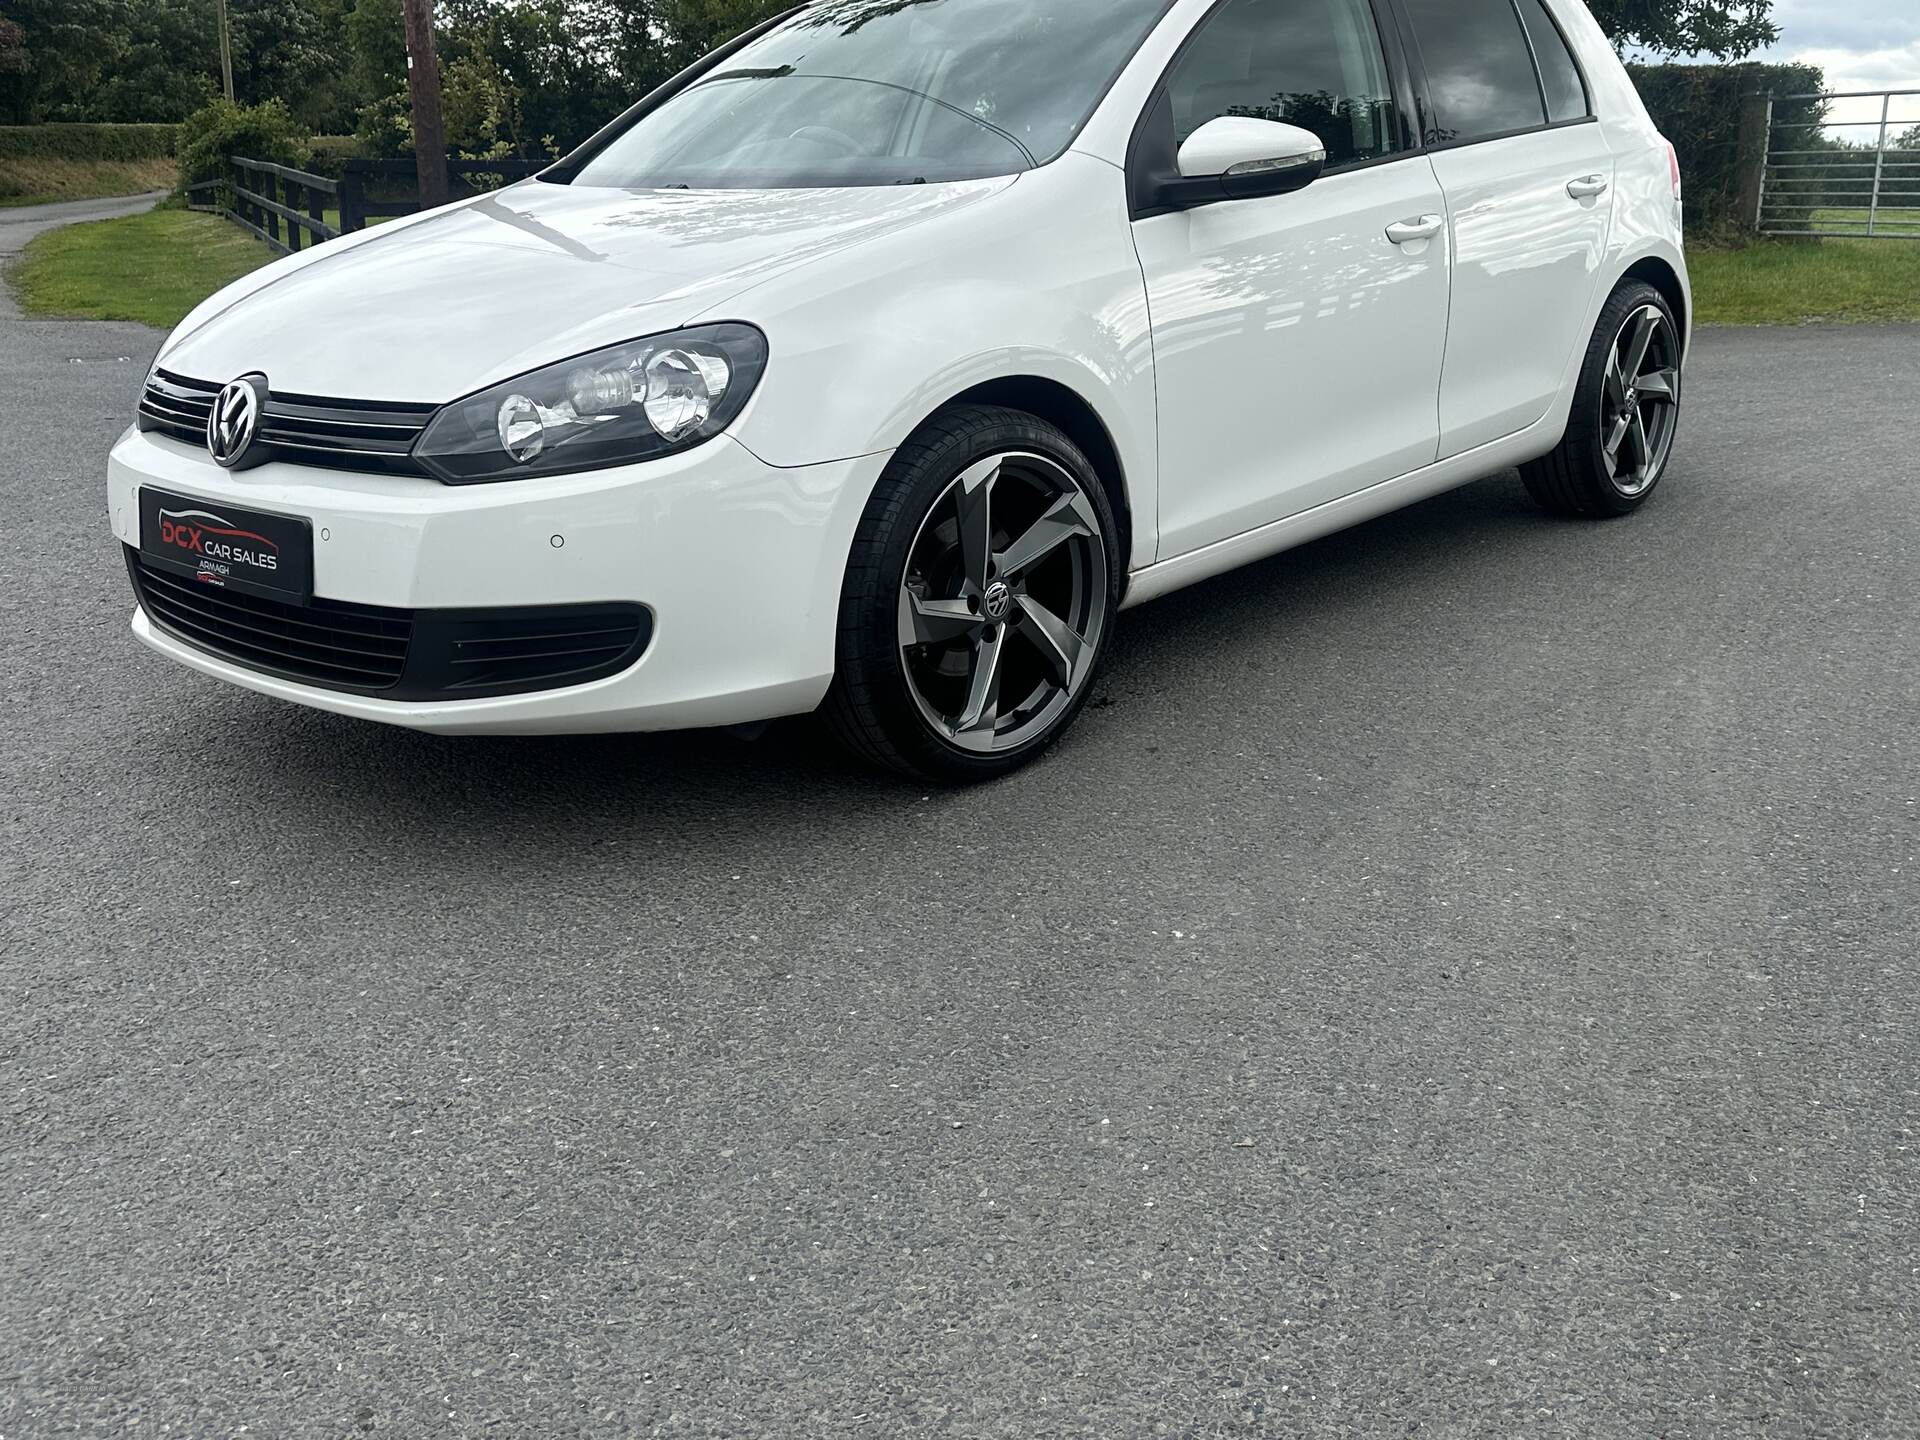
x=886 y=92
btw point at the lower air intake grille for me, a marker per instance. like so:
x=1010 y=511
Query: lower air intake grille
x=396 y=654
x=342 y=647
x=534 y=651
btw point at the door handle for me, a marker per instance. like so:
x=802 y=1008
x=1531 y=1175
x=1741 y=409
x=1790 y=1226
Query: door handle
x=1425 y=227
x=1587 y=186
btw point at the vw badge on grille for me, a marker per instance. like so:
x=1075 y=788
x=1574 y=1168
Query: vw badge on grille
x=235 y=421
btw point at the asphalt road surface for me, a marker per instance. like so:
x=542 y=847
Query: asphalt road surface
x=1459 y=981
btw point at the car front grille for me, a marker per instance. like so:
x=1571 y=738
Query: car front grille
x=300 y=429
x=177 y=407
x=396 y=654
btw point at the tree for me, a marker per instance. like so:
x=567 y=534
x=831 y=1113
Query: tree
x=376 y=38
x=1725 y=29
x=162 y=64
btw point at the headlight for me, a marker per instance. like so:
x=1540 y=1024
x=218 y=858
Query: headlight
x=633 y=402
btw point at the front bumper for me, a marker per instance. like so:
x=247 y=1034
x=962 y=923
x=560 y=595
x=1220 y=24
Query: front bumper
x=740 y=564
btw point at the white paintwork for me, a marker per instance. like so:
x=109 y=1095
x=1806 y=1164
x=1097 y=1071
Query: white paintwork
x=1266 y=370
x=1271 y=318
x=1522 y=247
x=535 y=273
x=1234 y=143
x=735 y=557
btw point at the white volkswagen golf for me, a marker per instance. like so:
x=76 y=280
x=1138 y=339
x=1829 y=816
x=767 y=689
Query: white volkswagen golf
x=876 y=362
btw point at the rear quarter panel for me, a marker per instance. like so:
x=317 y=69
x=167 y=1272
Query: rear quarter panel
x=1647 y=220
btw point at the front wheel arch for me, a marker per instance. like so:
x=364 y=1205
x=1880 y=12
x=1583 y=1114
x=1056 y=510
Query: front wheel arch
x=1074 y=416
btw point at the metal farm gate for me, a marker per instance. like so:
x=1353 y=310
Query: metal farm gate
x=1853 y=177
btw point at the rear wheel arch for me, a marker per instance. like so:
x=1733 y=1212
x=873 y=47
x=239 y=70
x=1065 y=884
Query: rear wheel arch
x=1663 y=277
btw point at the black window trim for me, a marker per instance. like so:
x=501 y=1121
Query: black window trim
x=1417 y=64
x=1533 y=59
x=1387 y=25
x=1579 y=70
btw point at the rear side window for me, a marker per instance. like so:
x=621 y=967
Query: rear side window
x=1559 y=76
x=1479 y=71
x=1312 y=63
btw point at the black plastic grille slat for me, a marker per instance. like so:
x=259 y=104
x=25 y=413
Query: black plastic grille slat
x=533 y=657
x=184 y=388
x=223 y=641
x=273 y=638
x=179 y=410
x=616 y=636
x=189 y=601
x=369 y=412
x=300 y=429
x=178 y=407
x=369 y=626
x=338 y=449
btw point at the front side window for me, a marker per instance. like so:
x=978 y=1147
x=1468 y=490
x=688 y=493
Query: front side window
x=1312 y=63
x=1479 y=71
x=886 y=92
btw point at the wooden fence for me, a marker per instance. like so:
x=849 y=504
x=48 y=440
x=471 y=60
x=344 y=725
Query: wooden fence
x=290 y=209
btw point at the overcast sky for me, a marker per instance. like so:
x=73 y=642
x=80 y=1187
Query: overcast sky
x=1861 y=44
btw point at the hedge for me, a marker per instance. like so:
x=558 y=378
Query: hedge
x=1697 y=107
x=88 y=142
x=221 y=129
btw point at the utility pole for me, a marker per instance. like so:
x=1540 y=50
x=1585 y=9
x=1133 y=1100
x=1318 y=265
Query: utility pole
x=226 y=52
x=423 y=85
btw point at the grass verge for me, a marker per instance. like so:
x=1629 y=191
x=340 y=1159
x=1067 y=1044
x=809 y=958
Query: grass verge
x=42 y=180
x=1794 y=282
x=150 y=268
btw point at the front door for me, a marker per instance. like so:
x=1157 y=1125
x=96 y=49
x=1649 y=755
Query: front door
x=1297 y=347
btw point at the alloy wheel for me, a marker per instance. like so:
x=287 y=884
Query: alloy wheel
x=1004 y=603
x=1640 y=403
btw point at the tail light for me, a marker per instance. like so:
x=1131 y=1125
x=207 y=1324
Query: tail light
x=1673 y=169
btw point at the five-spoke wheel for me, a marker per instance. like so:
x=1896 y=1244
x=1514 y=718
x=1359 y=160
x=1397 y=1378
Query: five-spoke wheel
x=1641 y=406
x=993 y=535
x=1626 y=411
x=1001 y=604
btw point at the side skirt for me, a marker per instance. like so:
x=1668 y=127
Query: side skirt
x=1167 y=576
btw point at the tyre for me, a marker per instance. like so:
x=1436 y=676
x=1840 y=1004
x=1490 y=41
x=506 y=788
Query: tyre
x=978 y=600
x=1625 y=412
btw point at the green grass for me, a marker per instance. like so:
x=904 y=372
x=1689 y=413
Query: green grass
x=1792 y=282
x=150 y=268
x=1893 y=219
x=41 y=180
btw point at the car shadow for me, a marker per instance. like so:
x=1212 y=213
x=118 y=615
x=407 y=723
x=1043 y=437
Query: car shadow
x=600 y=786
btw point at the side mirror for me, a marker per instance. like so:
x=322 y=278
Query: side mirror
x=1239 y=158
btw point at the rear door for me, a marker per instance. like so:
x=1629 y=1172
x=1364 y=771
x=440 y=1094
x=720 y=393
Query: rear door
x=1527 y=176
